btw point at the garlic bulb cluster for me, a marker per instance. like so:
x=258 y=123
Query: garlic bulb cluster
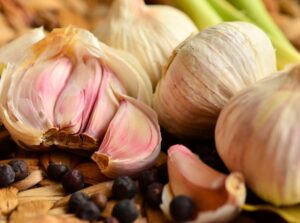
x=148 y=32
x=68 y=89
x=257 y=134
x=208 y=69
x=218 y=197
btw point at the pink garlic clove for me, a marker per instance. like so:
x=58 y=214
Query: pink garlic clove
x=218 y=196
x=132 y=141
x=105 y=107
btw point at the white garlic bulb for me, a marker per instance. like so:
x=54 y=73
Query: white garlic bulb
x=148 y=32
x=257 y=133
x=208 y=69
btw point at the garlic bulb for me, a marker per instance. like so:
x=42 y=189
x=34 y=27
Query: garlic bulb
x=218 y=197
x=72 y=91
x=208 y=69
x=148 y=32
x=257 y=133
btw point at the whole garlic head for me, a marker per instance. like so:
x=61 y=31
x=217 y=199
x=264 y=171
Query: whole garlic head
x=205 y=71
x=257 y=133
x=71 y=91
x=148 y=32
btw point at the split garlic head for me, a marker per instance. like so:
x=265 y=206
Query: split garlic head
x=208 y=69
x=257 y=134
x=71 y=91
x=148 y=32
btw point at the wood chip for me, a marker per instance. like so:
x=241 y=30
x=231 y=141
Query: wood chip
x=22 y=200
x=8 y=200
x=91 y=172
x=104 y=188
x=47 y=182
x=58 y=211
x=55 y=219
x=34 y=178
x=30 y=210
x=108 y=209
x=155 y=215
x=47 y=191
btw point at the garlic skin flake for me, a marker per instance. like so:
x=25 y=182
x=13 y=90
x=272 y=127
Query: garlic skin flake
x=257 y=133
x=205 y=71
x=218 y=197
x=148 y=32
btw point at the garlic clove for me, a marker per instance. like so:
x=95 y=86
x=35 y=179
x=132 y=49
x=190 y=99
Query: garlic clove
x=218 y=196
x=149 y=32
x=75 y=102
x=205 y=71
x=132 y=141
x=13 y=52
x=264 y=144
x=105 y=107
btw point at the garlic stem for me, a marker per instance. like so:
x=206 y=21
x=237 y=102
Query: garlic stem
x=200 y=12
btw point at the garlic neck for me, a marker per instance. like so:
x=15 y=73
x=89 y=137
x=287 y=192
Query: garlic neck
x=127 y=8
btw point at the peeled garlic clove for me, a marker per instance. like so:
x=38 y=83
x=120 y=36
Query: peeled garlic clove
x=148 y=32
x=208 y=69
x=218 y=197
x=257 y=134
x=61 y=92
x=132 y=141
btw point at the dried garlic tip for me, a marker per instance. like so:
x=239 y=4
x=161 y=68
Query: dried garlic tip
x=67 y=88
x=257 y=134
x=218 y=197
x=208 y=69
x=149 y=32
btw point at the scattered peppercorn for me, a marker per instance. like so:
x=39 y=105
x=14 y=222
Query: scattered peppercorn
x=56 y=171
x=20 y=168
x=88 y=211
x=73 y=181
x=183 y=208
x=125 y=211
x=111 y=220
x=148 y=177
x=77 y=199
x=7 y=175
x=124 y=187
x=153 y=194
x=100 y=200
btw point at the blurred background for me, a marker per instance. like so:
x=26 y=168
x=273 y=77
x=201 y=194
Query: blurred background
x=17 y=16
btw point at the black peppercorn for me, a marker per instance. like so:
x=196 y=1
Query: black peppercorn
x=7 y=175
x=100 y=200
x=73 y=181
x=125 y=211
x=20 y=168
x=77 y=199
x=183 y=208
x=88 y=211
x=124 y=187
x=148 y=177
x=56 y=171
x=153 y=194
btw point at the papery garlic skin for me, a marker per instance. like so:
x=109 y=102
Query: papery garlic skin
x=257 y=134
x=205 y=71
x=218 y=197
x=148 y=32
